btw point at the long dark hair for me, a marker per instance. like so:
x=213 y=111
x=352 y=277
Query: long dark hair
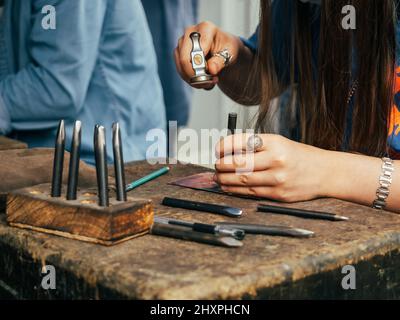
x=322 y=96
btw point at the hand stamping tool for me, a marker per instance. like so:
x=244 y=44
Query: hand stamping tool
x=119 y=168
x=73 y=173
x=58 y=165
x=201 y=77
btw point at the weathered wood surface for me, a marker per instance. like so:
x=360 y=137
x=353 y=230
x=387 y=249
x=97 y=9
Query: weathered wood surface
x=155 y=267
x=9 y=144
x=24 y=168
x=82 y=219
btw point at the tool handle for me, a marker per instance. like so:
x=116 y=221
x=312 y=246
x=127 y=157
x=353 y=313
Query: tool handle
x=195 y=37
x=183 y=233
x=232 y=121
x=205 y=228
x=200 y=206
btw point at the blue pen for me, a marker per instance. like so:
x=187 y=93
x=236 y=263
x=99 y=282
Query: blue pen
x=147 y=178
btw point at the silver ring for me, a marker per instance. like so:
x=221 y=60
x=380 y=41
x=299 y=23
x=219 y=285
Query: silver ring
x=225 y=55
x=254 y=143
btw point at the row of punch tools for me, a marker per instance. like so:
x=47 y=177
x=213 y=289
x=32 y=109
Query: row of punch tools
x=100 y=159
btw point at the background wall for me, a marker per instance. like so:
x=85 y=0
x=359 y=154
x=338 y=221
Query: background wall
x=211 y=108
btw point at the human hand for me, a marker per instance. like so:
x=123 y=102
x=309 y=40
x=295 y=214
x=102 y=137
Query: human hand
x=212 y=40
x=282 y=170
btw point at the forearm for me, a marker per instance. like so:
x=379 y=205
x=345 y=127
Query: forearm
x=240 y=81
x=355 y=178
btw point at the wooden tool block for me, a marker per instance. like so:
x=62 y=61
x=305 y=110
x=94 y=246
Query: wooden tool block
x=82 y=219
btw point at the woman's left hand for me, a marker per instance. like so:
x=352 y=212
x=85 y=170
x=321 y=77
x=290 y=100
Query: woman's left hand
x=282 y=170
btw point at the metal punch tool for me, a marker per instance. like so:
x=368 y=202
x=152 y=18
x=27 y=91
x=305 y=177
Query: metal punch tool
x=201 y=76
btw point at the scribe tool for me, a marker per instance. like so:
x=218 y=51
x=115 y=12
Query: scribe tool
x=307 y=214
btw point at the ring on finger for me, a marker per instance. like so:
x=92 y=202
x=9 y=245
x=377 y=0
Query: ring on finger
x=225 y=55
x=254 y=143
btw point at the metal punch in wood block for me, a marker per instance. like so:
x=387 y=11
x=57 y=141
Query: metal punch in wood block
x=201 y=77
x=82 y=219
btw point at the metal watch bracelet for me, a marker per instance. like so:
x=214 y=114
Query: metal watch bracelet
x=385 y=181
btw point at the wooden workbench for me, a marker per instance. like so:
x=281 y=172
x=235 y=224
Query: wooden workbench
x=152 y=267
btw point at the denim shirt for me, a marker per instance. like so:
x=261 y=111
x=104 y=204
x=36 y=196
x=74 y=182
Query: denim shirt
x=167 y=20
x=98 y=66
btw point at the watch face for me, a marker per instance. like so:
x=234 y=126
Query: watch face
x=198 y=59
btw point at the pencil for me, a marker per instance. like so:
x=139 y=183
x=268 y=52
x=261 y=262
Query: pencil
x=145 y=179
x=301 y=213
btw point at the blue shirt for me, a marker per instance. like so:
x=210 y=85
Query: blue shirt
x=97 y=66
x=167 y=20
